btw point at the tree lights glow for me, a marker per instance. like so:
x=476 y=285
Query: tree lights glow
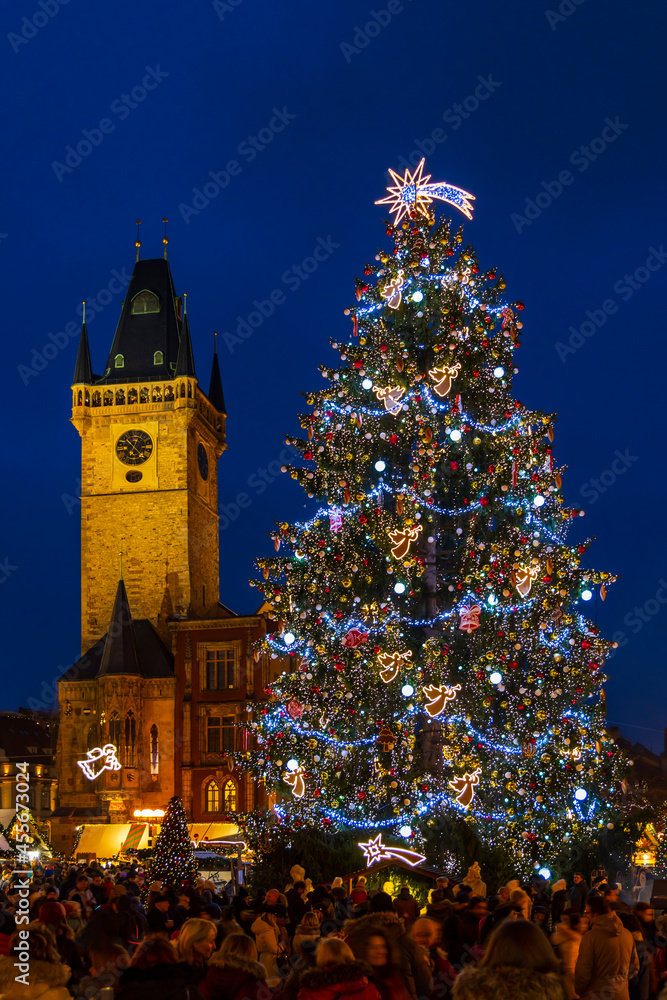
x=438 y=666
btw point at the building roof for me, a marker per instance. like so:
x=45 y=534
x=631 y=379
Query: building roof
x=21 y=736
x=83 y=370
x=140 y=335
x=215 y=394
x=129 y=647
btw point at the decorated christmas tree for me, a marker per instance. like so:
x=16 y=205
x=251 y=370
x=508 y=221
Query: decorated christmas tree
x=173 y=858
x=431 y=605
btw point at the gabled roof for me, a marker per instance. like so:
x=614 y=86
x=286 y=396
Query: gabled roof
x=139 y=336
x=83 y=370
x=129 y=647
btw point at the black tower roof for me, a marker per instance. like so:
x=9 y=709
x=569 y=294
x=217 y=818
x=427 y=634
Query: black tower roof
x=215 y=393
x=146 y=327
x=185 y=363
x=129 y=647
x=83 y=370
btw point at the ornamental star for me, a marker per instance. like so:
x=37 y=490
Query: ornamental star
x=375 y=851
x=413 y=192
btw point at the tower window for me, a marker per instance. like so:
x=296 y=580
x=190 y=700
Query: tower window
x=145 y=302
x=220 y=734
x=212 y=797
x=119 y=361
x=114 y=729
x=154 y=750
x=221 y=671
x=130 y=735
x=229 y=796
x=158 y=358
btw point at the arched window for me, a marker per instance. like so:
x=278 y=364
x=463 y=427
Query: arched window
x=114 y=729
x=119 y=361
x=143 y=394
x=212 y=797
x=145 y=302
x=97 y=399
x=120 y=397
x=169 y=393
x=108 y=398
x=155 y=760
x=157 y=394
x=92 y=738
x=158 y=358
x=229 y=796
x=132 y=396
x=189 y=390
x=130 y=735
x=80 y=398
x=182 y=390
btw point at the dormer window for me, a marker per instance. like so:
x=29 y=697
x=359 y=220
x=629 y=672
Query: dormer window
x=119 y=361
x=158 y=358
x=145 y=302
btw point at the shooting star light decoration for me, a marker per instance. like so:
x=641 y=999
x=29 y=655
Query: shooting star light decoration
x=413 y=193
x=375 y=852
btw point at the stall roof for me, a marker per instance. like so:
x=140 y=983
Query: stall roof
x=105 y=840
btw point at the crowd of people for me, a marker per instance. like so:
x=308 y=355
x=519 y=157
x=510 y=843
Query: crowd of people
x=94 y=932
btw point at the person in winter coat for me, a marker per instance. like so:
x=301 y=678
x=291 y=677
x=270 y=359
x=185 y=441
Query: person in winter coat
x=566 y=940
x=426 y=934
x=607 y=955
x=519 y=964
x=267 y=938
x=52 y=915
x=372 y=945
x=234 y=972
x=407 y=907
x=639 y=986
x=579 y=893
x=308 y=928
x=439 y=908
x=411 y=963
x=359 y=894
x=337 y=975
x=43 y=976
x=155 y=973
x=559 y=901
x=194 y=946
x=521 y=901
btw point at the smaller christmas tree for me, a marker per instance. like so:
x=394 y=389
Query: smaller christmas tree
x=173 y=857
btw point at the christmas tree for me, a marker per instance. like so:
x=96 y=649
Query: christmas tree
x=431 y=606
x=173 y=858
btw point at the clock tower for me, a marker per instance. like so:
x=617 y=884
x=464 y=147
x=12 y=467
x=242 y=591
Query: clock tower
x=150 y=443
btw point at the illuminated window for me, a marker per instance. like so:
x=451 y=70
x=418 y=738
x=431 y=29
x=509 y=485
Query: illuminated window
x=221 y=669
x=145 y=302
x=220 y=734
x=119 y=361
x=158 y=358
x=212 y=797
x=154 y=750
x=229 y=796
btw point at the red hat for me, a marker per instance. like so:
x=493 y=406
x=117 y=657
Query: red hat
x=52 y=912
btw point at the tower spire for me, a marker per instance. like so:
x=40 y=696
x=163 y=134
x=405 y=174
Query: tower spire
x=138 y=241
x=164 y=238
x=185 y=362
x=83 y=370
x=215 y=393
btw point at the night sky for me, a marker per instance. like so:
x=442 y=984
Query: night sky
x=313 y=102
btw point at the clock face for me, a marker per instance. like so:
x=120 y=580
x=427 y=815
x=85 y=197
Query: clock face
x=202 y=462
x=134 y=447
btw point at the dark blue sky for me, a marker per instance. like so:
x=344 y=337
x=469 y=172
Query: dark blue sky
x=335 y=94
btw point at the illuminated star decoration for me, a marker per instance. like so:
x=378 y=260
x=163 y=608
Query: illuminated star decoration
x=93 y=757
x=375 y=852
x=413 y=193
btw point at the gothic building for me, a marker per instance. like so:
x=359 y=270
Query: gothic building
x=165 y=668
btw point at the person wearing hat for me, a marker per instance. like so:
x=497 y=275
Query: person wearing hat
x=159 y=920
x=359 y=894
